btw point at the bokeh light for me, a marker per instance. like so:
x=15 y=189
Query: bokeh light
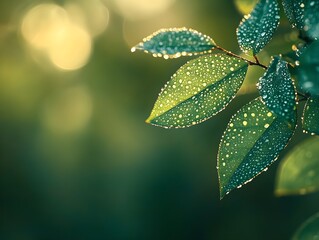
x=92 y=15
x=141 y=9
x=65 y=34
x=42 y=24
x=71 y=48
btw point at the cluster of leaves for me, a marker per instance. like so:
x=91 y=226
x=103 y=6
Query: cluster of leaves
x=260 y=130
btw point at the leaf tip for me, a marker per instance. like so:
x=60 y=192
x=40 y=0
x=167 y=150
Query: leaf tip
x=223 y=193
x=148 y=120
x=137 y=47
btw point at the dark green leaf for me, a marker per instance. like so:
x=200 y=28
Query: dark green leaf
x=311 y=19
x=299 y=171
x=256 y=29
x=277 y=90
x=310 y=122
x=245 y=6
x=309 y=230
x=175 y=42
x=252 y=141
x=308 y=70
x=198 y=90
x=303 y=14
x=294 y=10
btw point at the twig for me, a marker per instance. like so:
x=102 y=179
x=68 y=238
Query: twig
x=256 y=63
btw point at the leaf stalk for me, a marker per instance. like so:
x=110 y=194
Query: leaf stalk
x=252 y=63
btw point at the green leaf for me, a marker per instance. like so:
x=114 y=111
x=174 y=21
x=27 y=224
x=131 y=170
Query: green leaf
x=298 y=173
x=175 y=42
x=311 y=19
x=294 y=10
x=257 y=28
x=198 y=90
x=303 y=14
x=309 y=230
x=277 y=90
x=245 y=6
x=252 y=141
x=308 y=70
x=310 y=121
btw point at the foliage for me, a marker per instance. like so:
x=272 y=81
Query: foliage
x=299 y=171
x=260 y=130
x=308 y=230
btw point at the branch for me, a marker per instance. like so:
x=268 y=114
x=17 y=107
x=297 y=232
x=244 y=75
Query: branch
x=256 y=63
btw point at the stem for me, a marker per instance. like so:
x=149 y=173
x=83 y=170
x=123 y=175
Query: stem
x=256 y=59
x=301 y=100
x=303 y=97
x=229 y=53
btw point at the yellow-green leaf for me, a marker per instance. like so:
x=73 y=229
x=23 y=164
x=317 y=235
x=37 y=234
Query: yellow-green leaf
x=298 y=173
x=198 y=90
x=245 y=6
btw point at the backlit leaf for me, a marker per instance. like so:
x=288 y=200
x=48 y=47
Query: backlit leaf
x=277 y=90
x=245 y=6
x=298 y=173
x=309 y=230
x=198 y=90
x=175 y=42
x=257 y=28
x=252 y=141
x=308 y=70
x=310 y=121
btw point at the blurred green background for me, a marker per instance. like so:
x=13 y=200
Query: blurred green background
x=78 y=161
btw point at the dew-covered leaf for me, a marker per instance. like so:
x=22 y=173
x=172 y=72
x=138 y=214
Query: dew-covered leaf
x=245 y=6
x=303 y=14
x=175 y=42
x=310 y=121
x=294 y=10
x=308 y=70
x=309 y=230
x=252 y=141
x=257 y=28
x=277 y=90
x=198 y=90
x=298 y=173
